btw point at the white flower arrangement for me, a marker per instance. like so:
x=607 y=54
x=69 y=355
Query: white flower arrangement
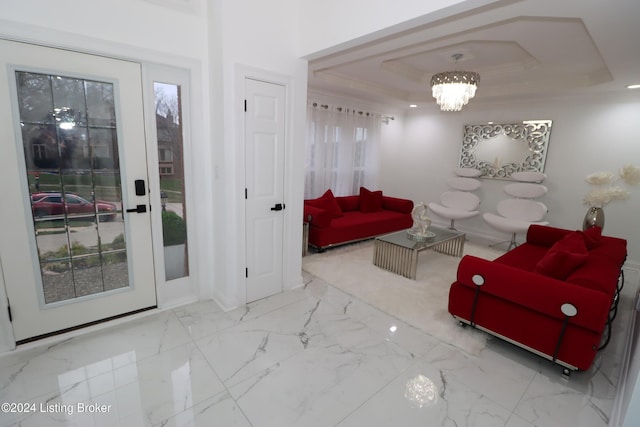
x=601 y=195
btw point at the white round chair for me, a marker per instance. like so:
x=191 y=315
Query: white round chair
x=459 y=203
x=528 y=176
x=516 y=214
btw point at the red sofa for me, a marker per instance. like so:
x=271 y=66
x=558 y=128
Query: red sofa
x=344 y=219
x=554 y=295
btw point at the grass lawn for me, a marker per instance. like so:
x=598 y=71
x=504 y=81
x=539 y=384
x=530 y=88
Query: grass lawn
x=106 y=186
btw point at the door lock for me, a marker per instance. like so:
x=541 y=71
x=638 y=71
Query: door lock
x=138 y=209
x=278 y=207
x=140 y=189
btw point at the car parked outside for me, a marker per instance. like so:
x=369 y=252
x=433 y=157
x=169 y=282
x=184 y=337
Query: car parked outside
x=51 y=204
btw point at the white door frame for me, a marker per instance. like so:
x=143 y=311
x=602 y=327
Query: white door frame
x=245 y=72
x=182 y=290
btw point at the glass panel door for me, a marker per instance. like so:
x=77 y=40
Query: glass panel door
x=72 y=164
x=168 y=103
x=76 y=241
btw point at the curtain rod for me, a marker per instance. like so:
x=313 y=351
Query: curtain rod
x=339 y=109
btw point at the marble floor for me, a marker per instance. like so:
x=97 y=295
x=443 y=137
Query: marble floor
x=309 y=357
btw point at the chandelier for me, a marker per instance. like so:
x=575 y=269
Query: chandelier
x=453 y=89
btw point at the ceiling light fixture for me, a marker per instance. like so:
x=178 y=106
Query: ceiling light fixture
x=453 y=89
x=634 y=86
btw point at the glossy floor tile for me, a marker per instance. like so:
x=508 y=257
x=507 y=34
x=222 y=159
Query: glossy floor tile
x=310 y=357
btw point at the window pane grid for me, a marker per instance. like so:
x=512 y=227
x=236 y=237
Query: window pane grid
x=69 y=196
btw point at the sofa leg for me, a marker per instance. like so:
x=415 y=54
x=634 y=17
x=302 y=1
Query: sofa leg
x=566 y=373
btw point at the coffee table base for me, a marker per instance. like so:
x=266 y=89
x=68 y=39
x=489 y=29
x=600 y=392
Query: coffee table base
x=404 y=261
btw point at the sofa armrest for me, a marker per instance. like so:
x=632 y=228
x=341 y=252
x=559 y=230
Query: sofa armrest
x=396 y=204
x=536 y=292
x=543 y=235
x=316 y=217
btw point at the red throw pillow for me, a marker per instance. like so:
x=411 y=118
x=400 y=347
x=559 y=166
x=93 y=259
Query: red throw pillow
x=370 y=201
x=564 y=257
x=592 y=237
x=327 y=202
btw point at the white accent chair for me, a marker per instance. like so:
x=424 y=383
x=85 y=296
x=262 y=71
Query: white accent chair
x=517 y=213
x=529 y=176
x=459 y=203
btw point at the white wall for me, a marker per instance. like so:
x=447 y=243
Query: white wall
x=588 y=135
x=256 y=38
x=330 y=25
x=139 y=23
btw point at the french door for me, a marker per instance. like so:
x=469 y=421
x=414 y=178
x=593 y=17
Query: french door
x=76 y=234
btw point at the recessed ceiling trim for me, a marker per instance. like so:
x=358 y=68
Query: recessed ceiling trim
x=407 y=71
x=360 y=85
x=549 y=50
x=374 y=43
x=439 y=59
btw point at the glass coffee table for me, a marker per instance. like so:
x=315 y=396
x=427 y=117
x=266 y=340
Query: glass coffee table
x=398 y=253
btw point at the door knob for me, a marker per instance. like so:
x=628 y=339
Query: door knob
x=278 y=207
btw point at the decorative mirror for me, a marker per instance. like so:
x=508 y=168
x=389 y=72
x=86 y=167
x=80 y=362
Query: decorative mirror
x=499 y=150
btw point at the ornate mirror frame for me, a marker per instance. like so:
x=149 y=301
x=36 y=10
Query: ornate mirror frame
x=499 y=150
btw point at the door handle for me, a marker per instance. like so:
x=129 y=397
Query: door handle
x=278 y=207
x=138 y=209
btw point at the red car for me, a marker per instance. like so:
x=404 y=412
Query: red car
x=46 y=204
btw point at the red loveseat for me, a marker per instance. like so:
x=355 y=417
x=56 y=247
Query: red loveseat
x=345 y=219
x=554 y=295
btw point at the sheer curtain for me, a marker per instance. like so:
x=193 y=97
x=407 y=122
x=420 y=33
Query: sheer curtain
x=342 y=150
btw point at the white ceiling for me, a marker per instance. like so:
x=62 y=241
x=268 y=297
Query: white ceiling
x=521 y=49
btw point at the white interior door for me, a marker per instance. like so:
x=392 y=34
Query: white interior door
x=72 y=147
x=264 y=163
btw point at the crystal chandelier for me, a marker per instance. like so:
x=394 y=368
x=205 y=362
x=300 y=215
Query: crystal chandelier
x=453 y=89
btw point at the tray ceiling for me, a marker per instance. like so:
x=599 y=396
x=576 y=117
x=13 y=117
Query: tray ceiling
x=516 y=54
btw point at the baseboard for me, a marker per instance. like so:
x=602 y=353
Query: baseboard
x=297 y=283
x=224 y=303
